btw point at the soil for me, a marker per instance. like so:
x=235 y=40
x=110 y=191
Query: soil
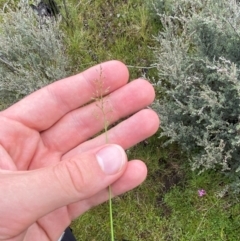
x=170 y=178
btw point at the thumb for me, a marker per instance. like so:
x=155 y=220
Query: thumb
x=27 y=196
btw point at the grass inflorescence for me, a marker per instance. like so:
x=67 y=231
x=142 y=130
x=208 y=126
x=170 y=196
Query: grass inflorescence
x=101 y=104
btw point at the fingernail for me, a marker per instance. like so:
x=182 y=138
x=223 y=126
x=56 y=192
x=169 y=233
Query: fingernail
x=111 y=159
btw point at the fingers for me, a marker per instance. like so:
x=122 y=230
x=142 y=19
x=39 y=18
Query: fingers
x=43 y=108
x=79 y=125
x=6 y=162
x=45 y=190
x=134 y=175
x=126 y=134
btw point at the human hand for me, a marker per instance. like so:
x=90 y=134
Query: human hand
x=49 y=167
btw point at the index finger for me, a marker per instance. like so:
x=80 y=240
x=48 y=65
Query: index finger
x=43 y=108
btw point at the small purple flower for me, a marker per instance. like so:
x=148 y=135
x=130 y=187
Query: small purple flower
x=201 y=192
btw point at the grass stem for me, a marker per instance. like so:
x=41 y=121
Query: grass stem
x=111 y=213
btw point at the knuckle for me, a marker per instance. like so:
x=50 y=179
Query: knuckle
x=76 y=179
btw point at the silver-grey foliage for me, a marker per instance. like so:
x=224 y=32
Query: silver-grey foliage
x=32 y=53
x=198 y=61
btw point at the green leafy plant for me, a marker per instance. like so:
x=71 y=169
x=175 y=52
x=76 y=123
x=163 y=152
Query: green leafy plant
x=198 y=67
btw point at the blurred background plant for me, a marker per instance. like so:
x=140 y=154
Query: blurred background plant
x=198 y=77
x=32 y=53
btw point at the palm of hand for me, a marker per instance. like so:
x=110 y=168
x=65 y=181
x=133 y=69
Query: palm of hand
x=47 y=128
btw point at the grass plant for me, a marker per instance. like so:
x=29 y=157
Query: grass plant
x=105 y=30
x=104 y=112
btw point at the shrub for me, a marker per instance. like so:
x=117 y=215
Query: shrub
x=31 y=53
x=198 y=62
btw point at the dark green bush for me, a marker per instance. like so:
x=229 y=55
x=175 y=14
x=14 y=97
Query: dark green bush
x=198 y=61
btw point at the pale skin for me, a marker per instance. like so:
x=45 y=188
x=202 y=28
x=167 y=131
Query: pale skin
x=49 y=171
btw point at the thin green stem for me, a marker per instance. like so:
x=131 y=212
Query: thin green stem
x=106 y=130
x=111 y=213
x=101 y=105
x=109 y=187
